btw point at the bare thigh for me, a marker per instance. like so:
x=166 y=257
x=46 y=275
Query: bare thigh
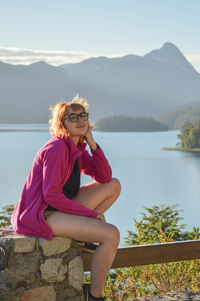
x=80 y=227
x=93 y=194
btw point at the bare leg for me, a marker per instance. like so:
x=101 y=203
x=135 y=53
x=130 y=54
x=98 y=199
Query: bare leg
x=99 y=197
x=90 y=230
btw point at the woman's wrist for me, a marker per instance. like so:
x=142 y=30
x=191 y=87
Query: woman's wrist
x=93 y=146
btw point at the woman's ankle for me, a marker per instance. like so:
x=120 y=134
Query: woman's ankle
x=94 y=297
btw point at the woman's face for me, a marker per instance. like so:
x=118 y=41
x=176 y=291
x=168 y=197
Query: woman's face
x=78 y=128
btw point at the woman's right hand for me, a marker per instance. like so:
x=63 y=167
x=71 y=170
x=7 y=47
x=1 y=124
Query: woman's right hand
x=101 y=217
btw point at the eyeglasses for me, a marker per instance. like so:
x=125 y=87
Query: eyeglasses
x=73 y=117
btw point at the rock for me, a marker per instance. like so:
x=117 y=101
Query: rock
x=75 y=273
x=3 y=260
x=53 y=270
x=57 y=246
x=45 y=293
x=22 y=268
x=24 y=244
x=6 y=232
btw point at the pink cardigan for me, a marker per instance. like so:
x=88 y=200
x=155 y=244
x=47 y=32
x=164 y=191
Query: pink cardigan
x=51 y=169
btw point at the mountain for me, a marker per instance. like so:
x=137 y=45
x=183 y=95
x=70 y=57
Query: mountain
x=169 y=54
x=27 y=91
x=176 y=119
x=94 y=64
x=150 y=85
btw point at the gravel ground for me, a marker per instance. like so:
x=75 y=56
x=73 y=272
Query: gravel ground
x=186 y=296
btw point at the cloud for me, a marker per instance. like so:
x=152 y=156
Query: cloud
x=24 y=56
x=194 y=59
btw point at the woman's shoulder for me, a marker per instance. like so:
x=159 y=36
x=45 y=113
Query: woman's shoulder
x=55 y=143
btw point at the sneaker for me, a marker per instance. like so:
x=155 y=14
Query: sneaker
x=88 y=247
x=87 y=295
x=86 y=288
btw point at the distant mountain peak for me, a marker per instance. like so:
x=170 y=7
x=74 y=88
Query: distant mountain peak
x=42 y=66
x=43 y=63
x=167 y=52
x=170 y=47
x=99 y=58
x=170 y=54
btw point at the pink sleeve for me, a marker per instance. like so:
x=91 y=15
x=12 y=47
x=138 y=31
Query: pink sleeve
x=53 y=170
x=96 y=166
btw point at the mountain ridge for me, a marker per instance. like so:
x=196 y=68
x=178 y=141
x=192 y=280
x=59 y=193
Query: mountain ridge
x=148 y=85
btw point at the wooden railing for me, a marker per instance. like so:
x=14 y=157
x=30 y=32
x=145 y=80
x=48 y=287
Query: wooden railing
x=149 y=254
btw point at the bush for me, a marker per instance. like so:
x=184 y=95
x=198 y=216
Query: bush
x=158 y=225
x=5 y=215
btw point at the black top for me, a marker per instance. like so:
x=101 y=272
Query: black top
x=72 y=186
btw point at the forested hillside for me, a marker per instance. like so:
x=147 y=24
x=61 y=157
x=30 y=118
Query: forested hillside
x=123 y=123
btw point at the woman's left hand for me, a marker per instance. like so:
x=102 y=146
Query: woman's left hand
x=101 y=217
x=89 y=138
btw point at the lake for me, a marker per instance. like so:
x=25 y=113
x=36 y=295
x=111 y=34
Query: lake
x=148 y=175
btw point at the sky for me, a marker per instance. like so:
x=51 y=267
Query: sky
x=69 y=31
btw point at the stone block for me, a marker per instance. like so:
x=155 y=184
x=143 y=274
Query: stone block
x=22 y=267
x=57 y=246
x=53 y=270
x=24 y=244
x=76 y=273
x=45 y=293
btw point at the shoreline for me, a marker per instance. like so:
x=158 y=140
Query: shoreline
x=22 y=130
x=195 y=150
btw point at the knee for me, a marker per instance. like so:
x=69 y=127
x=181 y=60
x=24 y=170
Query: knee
x=116 y=186
x=113 y=236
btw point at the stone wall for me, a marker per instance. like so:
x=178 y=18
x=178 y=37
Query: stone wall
x=33 y=269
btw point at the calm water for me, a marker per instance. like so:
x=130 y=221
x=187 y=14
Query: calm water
x=149 y=175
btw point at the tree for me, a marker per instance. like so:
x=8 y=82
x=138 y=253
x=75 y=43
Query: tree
x=194 y=137
x=184 y=136
x=5 y=215
x=156 y=221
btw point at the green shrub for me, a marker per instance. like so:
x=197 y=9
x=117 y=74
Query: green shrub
x=5 y=215
x=158 y=225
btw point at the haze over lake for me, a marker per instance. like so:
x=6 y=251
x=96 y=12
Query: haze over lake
x=149 y=175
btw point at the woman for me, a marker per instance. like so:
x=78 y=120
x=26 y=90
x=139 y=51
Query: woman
x=52 y=201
